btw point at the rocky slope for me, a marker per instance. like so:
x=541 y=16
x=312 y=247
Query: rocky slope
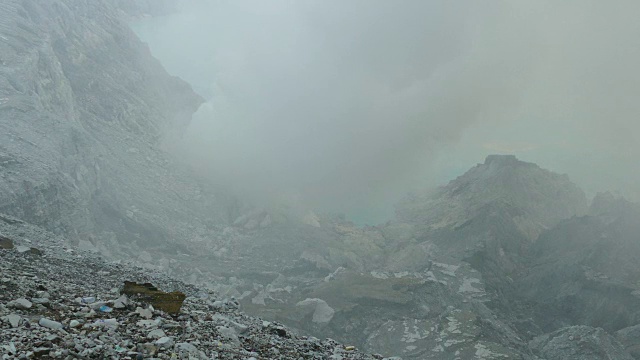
x=60 y=303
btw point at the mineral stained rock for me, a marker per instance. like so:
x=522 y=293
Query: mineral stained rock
x=167 y=302
x=5 y=243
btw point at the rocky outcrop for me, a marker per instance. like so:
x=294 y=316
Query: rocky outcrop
x=579 y=343
x=490 y=216
x=84 y=113
x=167 y=302
x=537 y=198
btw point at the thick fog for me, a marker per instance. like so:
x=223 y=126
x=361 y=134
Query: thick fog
x=346 y=105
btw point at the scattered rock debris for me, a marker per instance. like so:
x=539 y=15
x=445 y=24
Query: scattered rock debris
x=67 y=304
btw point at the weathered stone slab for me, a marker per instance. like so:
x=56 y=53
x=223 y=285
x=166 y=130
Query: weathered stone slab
x=167 y=302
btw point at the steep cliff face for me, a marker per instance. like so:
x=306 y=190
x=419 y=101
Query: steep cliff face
x=84 y=110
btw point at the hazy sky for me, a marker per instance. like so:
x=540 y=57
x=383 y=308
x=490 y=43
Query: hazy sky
x=347 y=105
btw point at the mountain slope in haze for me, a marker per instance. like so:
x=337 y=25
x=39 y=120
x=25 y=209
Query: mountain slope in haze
x=540 y=197
x=85 y=112
x=500 y=263
x=436 y=283
x=492 y=214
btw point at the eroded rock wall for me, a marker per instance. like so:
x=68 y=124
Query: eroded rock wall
x=84 y=112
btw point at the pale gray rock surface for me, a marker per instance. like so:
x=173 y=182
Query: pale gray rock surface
x=20 y=304
x=13 y=319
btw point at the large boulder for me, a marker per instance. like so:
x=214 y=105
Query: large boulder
x=6 y=243
x=167 y=302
